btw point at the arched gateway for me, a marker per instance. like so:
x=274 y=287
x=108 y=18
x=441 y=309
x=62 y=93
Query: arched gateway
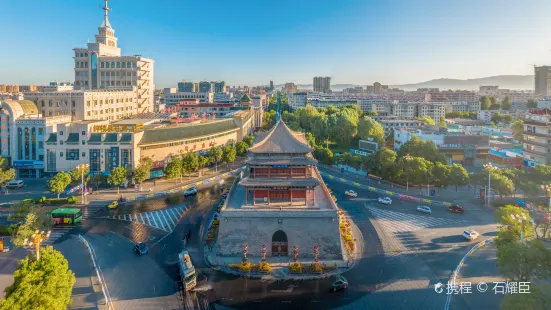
x=279 y=244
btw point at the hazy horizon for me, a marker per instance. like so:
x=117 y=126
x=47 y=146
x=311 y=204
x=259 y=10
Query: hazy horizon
x=250 y=43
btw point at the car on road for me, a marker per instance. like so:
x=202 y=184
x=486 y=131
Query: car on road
x=470 y=235
x=15 y=184
x=113 y=204
x=339 y=284
x=140 y=248
x=351 y=193
x=424 y=209
x=456 y=209
x=385 y=200
x=190 y=192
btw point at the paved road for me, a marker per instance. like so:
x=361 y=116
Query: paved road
x=480 y=267
x=8 y=263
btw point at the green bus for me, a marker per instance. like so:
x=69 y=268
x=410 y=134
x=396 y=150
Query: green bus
x=66 y=216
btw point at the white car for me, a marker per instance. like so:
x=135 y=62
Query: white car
x=15 y=184
x=351 y=193
x=424 y=209
x=385 y=200
x=190 y=191
x=470 y=235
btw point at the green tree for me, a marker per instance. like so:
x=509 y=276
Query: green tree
x=541 y=174
x=310 y=138
x=41 y=284
x=20 y=210
x=389 y=140
x=320 y=129
x=458 y=176
x=523 y=262
x=305 y=115
x=443 y=123
x=6 y=175
x=538 y=299
x=324 y=155
x=59 y=182
x=190 y=162
x=268 y=119
x=385 y=160
x=493 y=100
x=510 y=226
x=370 y=129
x=118 y=175
x=441 y=174
x=202 y=161
x=76 y=176
x=249 y=140
x=174 y=169
x=344 y=126
x=418 y=148
x=485 y=103
x=143 y=171
x=241 y=148
x=229 y=153
x=216 y=154
x=427 y=119
x=502 y=185
x=518 y=128
x=506 y=103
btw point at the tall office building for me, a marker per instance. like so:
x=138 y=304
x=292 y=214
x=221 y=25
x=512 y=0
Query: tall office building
x=322 y=84
x=377 y=88
x=271 y=85
x=101 y=66
x=542 y=80
x=188 y=87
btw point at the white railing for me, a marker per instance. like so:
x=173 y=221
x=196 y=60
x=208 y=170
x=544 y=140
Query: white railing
x=98 y=273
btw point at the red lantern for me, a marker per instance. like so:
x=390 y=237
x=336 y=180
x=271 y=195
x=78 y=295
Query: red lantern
x=244 y=251
x=263 y=246
x=263 y=251
x=296 y=246
x=316 y=260
x=315 y=246
x=295 y=252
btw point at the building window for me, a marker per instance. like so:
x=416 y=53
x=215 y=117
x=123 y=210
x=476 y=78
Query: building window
x=61 y=133
x=118 y=64
x=83 y=142
x=72 y=154
x=83 y=154
x=107 y=65
x=60 y=154
x=40 y=144
x=73 y=103
x=94 y=66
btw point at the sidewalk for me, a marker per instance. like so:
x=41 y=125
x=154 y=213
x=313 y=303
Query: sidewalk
x=445 y=194
x=162 y=185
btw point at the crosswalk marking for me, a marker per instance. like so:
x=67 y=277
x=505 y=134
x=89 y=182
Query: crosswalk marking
x=165 y=219
x=398 y=222
x=56 y=233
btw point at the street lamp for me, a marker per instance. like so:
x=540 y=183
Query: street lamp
x=36 y=240
x=82 y=168
x=490 y=167
x=522 y=219
x=407 y=158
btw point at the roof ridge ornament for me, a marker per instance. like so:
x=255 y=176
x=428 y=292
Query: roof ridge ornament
x=106 y=10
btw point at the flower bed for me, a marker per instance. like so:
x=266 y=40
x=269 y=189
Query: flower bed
x=295 y=268
x=246 y=266
x=347 y=236
x=264 y=267
x=316 y=268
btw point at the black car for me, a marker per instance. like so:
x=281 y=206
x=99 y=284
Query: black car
x=340 y=284
x=456 y=209
x=141 y=248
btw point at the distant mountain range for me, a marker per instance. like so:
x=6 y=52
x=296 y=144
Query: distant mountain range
x=517 y=82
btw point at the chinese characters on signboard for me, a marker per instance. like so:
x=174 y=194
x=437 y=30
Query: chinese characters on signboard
x=117 y=128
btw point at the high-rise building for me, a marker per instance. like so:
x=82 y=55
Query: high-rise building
x=322 y=84
x=101 y=66
x=377 y=88
x=188 y=87
x=290 y=88
x=218 y=87
x=542 y=79
x=271 y=85
x=205 y=87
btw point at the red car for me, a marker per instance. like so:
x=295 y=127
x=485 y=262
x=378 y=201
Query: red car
x=456 y=209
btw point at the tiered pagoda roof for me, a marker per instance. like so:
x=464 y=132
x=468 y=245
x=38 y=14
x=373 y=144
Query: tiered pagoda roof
x=281 y=140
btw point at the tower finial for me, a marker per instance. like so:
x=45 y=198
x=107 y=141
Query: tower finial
x=106 y=10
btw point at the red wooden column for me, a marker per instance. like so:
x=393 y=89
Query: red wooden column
x=269 y=196
x=291 y=195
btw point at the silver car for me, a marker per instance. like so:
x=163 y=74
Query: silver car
x=424 y=209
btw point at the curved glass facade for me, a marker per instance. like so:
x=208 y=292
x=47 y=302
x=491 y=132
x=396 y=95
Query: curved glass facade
x=94 y=66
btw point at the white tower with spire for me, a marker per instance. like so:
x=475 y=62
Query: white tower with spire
x=101 y=66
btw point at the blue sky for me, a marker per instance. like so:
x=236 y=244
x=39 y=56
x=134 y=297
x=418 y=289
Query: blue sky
x=251 y=42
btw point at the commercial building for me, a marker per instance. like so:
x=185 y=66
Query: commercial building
x=99 y=104
x=173 y=97
x=101 y=66
x=377 y=88
x=404 y=110
x=56 y=86
x=281 y=201
x=205 y=87
x=218 y=87
x=390 y=125
x=434 y=111
x=322 y=84
x=298 y=100
x=454 y=95
x=537 y=137
x=467 y=150
x=377 y=105
x=542 y=80
x=38 y=146
x=323 y=102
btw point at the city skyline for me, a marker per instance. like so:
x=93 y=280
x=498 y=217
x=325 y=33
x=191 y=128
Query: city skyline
x=358 y=42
